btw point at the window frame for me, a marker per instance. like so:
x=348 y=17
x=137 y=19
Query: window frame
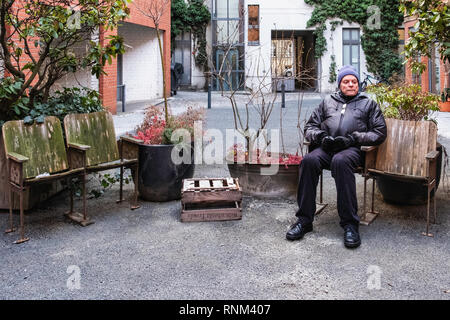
x=352 y=43
x=250 y=26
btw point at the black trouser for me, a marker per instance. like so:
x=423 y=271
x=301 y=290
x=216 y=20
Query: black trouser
x=342 y=165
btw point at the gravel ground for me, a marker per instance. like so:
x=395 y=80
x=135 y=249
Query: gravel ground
x=149 y=254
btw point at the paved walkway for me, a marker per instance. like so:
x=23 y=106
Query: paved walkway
x=149 y=254
x=127 y=121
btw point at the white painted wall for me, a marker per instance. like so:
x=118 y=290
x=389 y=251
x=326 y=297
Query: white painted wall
x=142 y=74
x=274 y=15
x=198 y=80
x=81 y=78
x=285 y=15
x=325 y=86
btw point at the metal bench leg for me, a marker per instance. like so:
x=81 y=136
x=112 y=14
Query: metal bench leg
x=321 y=205
x=22 y=219
x=135 y=205
x=427 y=233
x=368 y=217
x=121 y=186
x=11 y=225
x=77 y=217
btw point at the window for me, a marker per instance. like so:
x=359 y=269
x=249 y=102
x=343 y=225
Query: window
x=401 y=46
x=228 y=43
x=227 y=22
x=253 y=25
x=351 y=43
x=437 y=70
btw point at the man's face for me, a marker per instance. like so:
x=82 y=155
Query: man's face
x=349 y=85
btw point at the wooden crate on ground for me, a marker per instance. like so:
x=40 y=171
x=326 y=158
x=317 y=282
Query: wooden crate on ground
x=211 y=199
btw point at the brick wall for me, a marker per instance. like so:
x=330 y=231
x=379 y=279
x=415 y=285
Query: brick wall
x=107 y=84
x=424 y=78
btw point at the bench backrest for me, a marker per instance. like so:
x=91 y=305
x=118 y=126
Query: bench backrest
x=404 y=150
x=95 y=130
x=43 y=144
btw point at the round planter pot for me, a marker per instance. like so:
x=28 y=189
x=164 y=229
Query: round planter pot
x=283 y=184
x=160 y=179
x=444 y=106
x=406 y=192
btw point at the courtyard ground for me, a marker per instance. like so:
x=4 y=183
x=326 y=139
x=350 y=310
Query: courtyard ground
x=150 y=254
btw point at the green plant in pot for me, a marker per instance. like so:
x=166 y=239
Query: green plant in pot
x=265 y=167
x=166 y=156
x=407 y=103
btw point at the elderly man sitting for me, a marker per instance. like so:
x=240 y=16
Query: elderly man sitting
x=342 y=123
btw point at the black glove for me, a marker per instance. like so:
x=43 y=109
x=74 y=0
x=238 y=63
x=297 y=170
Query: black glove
x=328 y=143
x=341 y=143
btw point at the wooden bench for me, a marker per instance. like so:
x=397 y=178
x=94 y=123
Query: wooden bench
x=36 y=154
x=93 y=135
x=408 y=153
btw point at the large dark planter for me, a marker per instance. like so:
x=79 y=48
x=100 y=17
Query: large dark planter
x=283 y=184
x=406 y=192
x=159 y=178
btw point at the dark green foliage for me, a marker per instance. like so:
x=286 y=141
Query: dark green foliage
x=192 y=17
x=61 y=103
x=379 y=45
x=70 y=100
x=333 y=71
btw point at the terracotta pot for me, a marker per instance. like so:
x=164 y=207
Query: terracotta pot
x=444 y=106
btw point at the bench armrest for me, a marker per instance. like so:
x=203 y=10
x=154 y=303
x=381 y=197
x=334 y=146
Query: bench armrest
x=16 y=157
x=79 y=146
x=432 y=155
x=368 y=148
x=131 y=139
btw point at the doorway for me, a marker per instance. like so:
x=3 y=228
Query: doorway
x=293 y=59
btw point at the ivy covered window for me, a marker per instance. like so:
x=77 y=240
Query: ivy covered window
x=351 y=43
x=253 y=25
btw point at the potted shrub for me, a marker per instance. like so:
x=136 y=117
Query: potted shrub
x=406 y=102
x=261 y=163
x=166 y=156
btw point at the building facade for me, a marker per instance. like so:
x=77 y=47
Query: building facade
x=138 y=71
x=435 y=77
x=262 y=41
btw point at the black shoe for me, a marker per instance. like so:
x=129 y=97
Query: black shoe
x=351 y=237
x=298 y=230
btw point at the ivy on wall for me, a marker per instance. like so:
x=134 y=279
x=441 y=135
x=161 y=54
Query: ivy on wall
x=191 y=16
x=380 y=45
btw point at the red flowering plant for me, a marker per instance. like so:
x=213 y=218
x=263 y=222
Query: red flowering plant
x=237 y=154
x=156 y=130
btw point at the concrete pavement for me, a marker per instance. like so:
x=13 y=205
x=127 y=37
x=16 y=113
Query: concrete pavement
x=149 y=254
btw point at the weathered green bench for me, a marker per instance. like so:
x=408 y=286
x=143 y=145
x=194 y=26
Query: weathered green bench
x=36 y=154
x=93 y=136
